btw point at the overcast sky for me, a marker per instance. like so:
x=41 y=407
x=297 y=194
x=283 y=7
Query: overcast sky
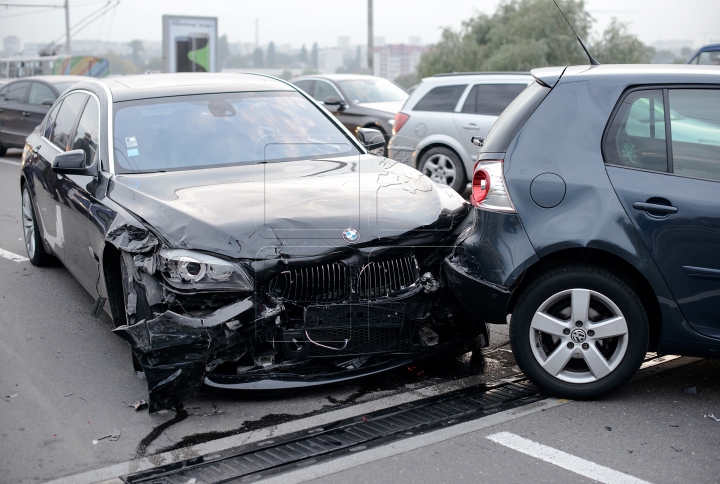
x=322 y=21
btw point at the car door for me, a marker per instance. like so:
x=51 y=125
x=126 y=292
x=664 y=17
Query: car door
x=663 y=152
x=11 y=114
x=482 y=106
x=54 y=200
x=40 y=98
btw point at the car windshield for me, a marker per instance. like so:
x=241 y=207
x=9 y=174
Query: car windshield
x=210 y=130
x=361 y=91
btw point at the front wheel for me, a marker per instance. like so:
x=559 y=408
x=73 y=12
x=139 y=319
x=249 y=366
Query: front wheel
x=33 y=243
x=579 y=332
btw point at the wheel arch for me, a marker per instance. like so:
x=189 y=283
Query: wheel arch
x=606 y=260
x=112 y=275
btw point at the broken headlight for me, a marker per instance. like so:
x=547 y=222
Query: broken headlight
x=186 y=269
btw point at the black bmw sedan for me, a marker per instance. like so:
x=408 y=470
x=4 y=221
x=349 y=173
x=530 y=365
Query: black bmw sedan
x=239 y=236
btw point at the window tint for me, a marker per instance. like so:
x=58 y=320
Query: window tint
x=324 y=90
x=50 y=123
x=66 y=118
x=441 y=99
x=17 y=91
x=306 y=85
x=491 y=99
x=708 y=58
x=695 y=132
x=88 y=131
x=636 y=137
x=39 y=92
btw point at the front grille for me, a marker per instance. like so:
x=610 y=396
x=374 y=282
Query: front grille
x=379 y=279
x=360 y=340
x=320 y=284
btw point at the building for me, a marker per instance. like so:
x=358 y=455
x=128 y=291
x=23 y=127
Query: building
x=329 y=60
x=11 y=45
x=393 y=60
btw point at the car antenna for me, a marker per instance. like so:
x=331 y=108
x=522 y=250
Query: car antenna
x=593 y=61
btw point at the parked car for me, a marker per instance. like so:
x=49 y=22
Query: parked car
x=357 y=101
x=239 y=236
x=706 y=55
x=434 y=128
x=24 y=103
x=597 y=229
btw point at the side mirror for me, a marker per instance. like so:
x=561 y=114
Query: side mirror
x=47 y=102
x=335 y=101
x=371 y=138
x=72 y=163
x=477 y=140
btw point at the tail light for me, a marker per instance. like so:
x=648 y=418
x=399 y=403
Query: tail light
x=489 y=190
x=400 y=119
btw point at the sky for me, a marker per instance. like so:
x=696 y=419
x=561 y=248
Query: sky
x=322 y=21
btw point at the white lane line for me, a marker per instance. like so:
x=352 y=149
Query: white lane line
x=562 y=459
x=8 y=162
x=423 y=440
x=11 y=256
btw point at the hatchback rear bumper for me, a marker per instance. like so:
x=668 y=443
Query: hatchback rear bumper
x=482 y=299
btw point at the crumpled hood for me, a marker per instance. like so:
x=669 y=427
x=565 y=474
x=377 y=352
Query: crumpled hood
x=249 y=211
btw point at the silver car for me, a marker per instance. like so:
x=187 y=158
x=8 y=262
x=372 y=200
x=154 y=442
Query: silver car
x=433 y=130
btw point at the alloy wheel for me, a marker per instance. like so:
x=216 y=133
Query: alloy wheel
x=579 y=336
x=440 y=169
x=28 y=221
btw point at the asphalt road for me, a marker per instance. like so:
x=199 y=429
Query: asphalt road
x=67 y=381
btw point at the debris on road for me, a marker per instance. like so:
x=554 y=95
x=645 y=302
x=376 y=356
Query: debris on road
x=691 y=391
x=138 y=405
x=141 y=375
x=416 y=370
x=115 y=435
x=68 y=395
x=712 y=417
x=608 y=429
x=12 y=396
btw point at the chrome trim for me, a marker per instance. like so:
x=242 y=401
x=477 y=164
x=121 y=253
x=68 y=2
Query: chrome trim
x=111 y=134
x=66 y=94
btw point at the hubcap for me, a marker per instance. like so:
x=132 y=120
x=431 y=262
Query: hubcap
x=579 y=336
x=440 y=169
x=28 y=223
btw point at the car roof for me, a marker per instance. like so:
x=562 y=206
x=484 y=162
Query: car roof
x=51 y=79
x=147 y=86
x=335 y=77
x=644 y=73
x=462 y=77
x=708 y=48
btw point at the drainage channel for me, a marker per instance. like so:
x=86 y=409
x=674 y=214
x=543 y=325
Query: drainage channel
x=307 y=447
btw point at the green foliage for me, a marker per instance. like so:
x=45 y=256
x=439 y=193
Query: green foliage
x=524 y=34
x=258 y=57
x=138 y=49
x=407 y=80
x=120 y=65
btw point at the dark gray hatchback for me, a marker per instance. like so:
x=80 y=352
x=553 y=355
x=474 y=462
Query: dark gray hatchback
x=597 y=223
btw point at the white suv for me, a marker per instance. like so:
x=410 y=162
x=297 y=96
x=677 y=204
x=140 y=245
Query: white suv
x=433 y=130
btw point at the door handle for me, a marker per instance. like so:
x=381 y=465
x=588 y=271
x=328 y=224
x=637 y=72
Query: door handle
x=654 y=207
x=471 y=126
x=25 y=113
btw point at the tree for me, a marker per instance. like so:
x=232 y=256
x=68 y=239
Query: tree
x=522 y=35
x=303 y=54
x=617 y=46
x=138 y=49
x=270 y=56
x=258 y=57
x=223 y=50
x=314 y=56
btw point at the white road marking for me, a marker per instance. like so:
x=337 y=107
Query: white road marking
x=8 y=162
x=562 y=459
x=11 y=256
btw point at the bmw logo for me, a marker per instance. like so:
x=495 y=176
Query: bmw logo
x=350 y=235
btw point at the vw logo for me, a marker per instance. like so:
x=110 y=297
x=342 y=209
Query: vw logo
x=350 y=235
x=578 y=336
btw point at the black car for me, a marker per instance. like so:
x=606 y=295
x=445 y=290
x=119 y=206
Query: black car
x=358 y=101
x=24 y=104
x=239 y=236
x=597 y=223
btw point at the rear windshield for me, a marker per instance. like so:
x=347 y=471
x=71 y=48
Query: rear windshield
x=507 y=126
x=211 y=130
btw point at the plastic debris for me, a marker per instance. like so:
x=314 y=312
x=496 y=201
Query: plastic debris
x=712 y=417
x=141 y=375
x=68 y=395
x=115 y=435
x=12 y=396
x=140 y=404
x=691 y=390
x=608 y=429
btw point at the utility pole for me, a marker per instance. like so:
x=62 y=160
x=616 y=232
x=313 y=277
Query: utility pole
x=67 y=28
x=257 y=34
x=370 y=52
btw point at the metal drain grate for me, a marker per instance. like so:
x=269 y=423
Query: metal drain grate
x=308 y=447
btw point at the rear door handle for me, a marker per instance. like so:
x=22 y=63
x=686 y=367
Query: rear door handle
x=471 y=126
x=654 y=207
x=25 y=113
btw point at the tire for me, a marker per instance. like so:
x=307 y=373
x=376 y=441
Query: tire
x=442 y=165
x=33 y=242
x=544 y=323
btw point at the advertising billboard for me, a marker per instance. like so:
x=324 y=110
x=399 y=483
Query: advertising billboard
x=189 y=44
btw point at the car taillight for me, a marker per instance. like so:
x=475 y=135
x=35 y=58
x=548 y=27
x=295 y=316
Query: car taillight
x=489 y=190
x=400 y=119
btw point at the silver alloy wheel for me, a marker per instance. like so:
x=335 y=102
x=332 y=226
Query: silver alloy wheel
x=579 y=336
x=28 y=223
x=440 y=169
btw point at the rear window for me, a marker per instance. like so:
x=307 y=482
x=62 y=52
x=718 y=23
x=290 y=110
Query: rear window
x=491 y=99
x=507 y=126
x=441 y=99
